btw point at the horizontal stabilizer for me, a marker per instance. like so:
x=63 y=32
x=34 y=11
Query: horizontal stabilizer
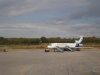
x=69 y=48
x=58 y=48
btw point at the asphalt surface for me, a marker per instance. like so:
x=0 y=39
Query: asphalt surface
x=38 y=62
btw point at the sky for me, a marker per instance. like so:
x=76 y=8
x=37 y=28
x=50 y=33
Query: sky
x=49 y=18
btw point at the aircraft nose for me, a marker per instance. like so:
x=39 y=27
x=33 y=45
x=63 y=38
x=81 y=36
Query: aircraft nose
x=48 y=46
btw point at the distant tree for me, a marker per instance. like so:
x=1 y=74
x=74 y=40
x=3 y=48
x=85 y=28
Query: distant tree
x=2 y=39
x=44 y=40
x=36 y=41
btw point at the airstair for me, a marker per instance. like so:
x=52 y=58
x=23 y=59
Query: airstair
x=59 y=49
x=69 y=48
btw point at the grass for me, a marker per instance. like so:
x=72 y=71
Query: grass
x=92 y=45
x=44 y=46
x=40 y=46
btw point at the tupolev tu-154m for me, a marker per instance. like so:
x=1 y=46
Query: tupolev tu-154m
x=66 y=46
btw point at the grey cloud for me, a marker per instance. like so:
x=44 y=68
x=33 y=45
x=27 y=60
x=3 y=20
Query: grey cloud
x=90 y=10
x=85 y=11
x=86 y=30
x=36 y=30
x=25 y=30
x=18 y=7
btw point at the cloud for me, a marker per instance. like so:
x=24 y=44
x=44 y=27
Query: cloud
x=39 y=30
x=86 y=29
x=88 y=11
x=28 y=30
x=19 y=7
x=36 y=18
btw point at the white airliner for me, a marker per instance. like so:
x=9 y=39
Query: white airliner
x=69 y=46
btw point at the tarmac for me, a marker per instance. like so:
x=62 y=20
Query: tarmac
x=38 y=62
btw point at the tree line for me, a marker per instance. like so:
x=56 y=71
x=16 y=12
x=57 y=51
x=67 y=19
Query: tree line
x=37 y=41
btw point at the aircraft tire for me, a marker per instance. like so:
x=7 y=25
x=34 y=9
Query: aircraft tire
x=47 y=50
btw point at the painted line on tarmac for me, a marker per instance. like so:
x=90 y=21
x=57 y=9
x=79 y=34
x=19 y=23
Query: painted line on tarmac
x=24 y=68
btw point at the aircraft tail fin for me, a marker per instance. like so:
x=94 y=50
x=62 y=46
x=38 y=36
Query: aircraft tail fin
x=80 y=41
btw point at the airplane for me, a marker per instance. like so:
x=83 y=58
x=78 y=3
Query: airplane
x=66 y=46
